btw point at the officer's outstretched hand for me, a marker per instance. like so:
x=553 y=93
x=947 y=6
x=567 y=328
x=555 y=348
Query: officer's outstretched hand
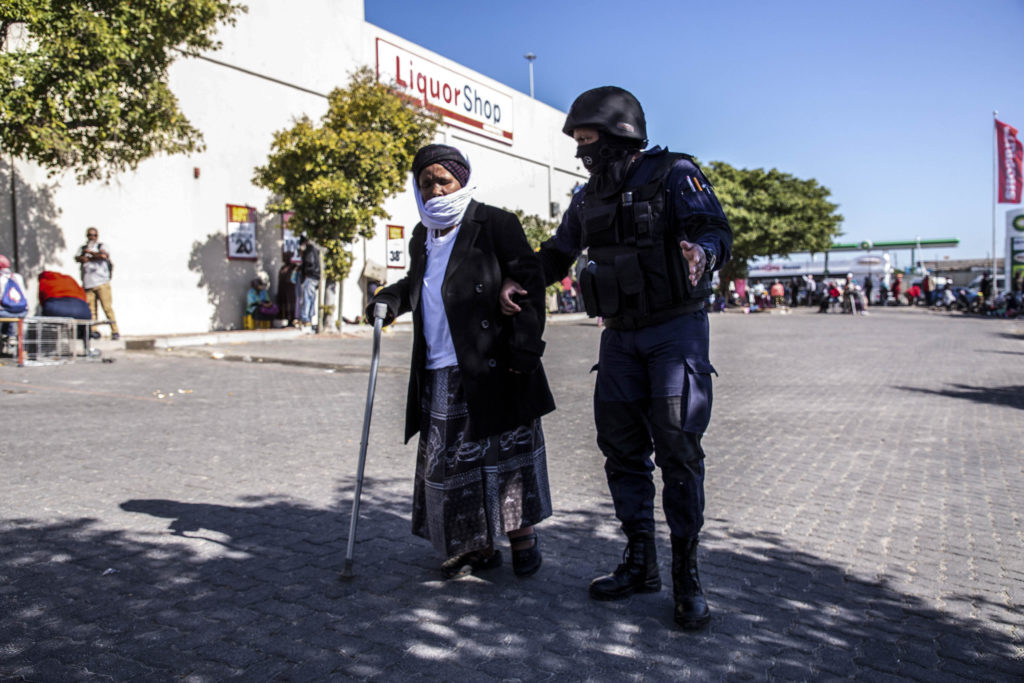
x=510 y=288
x=696 y=258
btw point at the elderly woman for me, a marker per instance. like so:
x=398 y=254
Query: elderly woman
x=476 y=387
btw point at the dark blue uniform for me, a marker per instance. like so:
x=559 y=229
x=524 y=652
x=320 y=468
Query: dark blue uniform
x=653 y=392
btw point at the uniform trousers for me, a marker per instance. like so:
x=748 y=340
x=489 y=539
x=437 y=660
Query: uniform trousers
x=653 y=396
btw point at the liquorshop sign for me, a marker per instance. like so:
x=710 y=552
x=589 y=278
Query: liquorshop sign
x=462 y=101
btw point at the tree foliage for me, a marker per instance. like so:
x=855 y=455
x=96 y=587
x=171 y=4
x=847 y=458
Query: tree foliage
x=772 y=214
x=336 y=174
x=87 y=91
x=536 y=228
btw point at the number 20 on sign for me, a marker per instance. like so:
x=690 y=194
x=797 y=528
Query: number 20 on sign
x=241 y=238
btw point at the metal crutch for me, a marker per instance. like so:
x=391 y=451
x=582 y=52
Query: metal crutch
x=379 y=312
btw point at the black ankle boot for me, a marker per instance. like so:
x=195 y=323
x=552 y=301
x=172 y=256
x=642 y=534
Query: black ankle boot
x=691 y=608
x=638 y=572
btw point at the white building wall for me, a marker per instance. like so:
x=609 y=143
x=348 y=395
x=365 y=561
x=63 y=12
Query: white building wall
x=166 y=228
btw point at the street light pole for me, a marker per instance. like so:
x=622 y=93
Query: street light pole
x=530 y=57
x=14 y=216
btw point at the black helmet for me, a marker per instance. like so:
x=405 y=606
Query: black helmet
x=610 y=109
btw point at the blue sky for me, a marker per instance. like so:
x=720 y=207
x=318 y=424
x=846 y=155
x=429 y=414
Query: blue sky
x=888 y=104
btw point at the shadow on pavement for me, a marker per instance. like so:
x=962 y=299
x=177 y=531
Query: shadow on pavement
x=252 y=590
x=1011 y=396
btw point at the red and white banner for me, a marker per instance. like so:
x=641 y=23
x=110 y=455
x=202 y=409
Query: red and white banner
x=1011 y=154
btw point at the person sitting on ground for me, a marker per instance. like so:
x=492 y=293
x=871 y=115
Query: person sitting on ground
x=914 y=294
x=830 y=295
x=948 y=296
x=257 y=301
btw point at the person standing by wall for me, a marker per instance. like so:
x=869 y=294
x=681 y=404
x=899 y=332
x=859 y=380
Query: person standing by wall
x=309 y=280
x=97 y=270
x=287 y=293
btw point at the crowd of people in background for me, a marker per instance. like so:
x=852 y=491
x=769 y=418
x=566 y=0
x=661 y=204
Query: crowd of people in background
x=850 y=294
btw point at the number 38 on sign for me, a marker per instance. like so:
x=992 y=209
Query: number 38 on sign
x=396 y=246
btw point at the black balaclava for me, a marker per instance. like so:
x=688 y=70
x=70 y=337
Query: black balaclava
x=607 y=159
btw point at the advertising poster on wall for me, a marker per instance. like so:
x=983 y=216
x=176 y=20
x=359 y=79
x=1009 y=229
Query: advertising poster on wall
x=396 y=246
x=241 y=232
x=289 y=240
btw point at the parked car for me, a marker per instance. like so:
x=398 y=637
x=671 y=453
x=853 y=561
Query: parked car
x=975 y=284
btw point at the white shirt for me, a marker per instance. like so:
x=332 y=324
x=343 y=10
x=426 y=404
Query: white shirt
x=440 y=350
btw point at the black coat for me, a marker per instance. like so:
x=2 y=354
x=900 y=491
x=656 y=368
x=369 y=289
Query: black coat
x=490 y=246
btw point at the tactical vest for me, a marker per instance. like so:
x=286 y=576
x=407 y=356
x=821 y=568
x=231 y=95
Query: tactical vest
x=636 y=274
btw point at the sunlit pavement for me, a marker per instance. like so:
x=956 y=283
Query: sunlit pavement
x=172 y=516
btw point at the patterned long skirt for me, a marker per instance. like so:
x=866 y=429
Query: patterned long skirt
x=468 y=492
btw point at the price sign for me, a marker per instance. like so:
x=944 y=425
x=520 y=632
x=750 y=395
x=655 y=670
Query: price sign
x=396 y=246
x=289 y=239
x=242 y=232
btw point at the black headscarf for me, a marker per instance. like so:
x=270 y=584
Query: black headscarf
x=448 y=157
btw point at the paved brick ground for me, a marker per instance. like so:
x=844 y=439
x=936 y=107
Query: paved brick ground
x=167 y=517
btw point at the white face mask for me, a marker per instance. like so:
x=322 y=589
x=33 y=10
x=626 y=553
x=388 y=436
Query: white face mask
x=446 y=211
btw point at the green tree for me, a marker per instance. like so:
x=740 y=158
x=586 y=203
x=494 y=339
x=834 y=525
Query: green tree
x=336 y=175
x=87 y=90
x=772 y=214
x=537 y=230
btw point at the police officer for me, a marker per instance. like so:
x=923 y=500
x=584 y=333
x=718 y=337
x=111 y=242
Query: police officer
x=653 y=232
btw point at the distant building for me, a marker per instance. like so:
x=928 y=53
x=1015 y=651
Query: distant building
x=961 y=271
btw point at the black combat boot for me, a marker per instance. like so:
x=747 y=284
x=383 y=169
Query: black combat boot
x=638 y=572
x=691 y=608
